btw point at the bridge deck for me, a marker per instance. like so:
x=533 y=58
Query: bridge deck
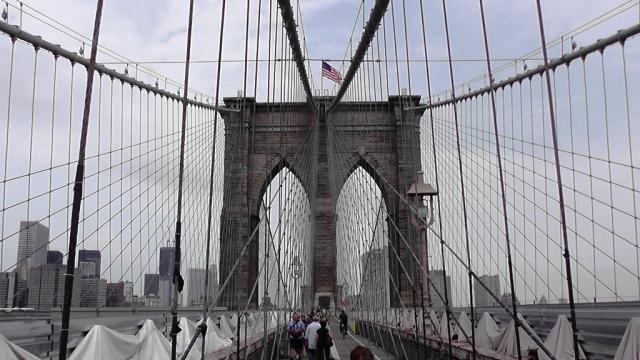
x=344 y=346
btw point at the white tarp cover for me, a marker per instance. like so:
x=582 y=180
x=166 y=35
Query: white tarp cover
x=147 y=328
x=10 y=351
x=560 y=340
x=104 y=343
x=225 y=329
x=509 y=345
x=233 y=323
x=629 y=347
x=488 y=334
x=154 y=346
x=463 y=324
x=184 y=337
x=433 y=323
x=213 y=340
x=444 y=329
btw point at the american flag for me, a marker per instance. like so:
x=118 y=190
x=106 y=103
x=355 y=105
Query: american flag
x=331 y=73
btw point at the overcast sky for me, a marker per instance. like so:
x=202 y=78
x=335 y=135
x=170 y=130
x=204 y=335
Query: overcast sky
x=155 y=32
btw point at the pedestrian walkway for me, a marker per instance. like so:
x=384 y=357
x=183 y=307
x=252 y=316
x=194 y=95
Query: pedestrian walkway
x=342 y=347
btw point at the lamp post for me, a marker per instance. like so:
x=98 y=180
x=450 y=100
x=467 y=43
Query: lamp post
x=422 y=192
x=296 y=273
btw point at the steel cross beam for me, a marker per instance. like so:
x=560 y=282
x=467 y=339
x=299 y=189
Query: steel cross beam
x=289 y=23
x=377 y=12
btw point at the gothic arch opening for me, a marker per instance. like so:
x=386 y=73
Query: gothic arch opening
x=362 y=234
x=285 y=256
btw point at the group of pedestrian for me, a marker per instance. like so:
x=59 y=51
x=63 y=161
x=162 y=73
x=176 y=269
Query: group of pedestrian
x=310 y=334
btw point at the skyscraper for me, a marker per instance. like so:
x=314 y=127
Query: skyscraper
x=54 y=257
x=167 y=257
x=481 y=295
x=115 y=294
x=46 y=287
x=90 y=256
x=13 y=291
x=195 y=285
x=437 y=282
x=93 y=292
x=33 y=243
x=151 y=284
x=128 y=292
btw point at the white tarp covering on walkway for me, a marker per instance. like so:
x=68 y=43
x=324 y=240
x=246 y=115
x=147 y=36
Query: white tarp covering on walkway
x=213 y=340
x=225 y=328
x=102 y=343
x=433 y=323
x=488 y=334
x=509 y=344
x=629 y=347
x=444 y=327
x=154 y=346
x=184 y=337
x=463 y=326
x=11 y=351
x=560 y=340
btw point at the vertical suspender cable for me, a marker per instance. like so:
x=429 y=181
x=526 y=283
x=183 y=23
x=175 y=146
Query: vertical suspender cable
x=435 y=162
x=563 y=223
x=211 y=174
x=77 y=189
x=462 y=189
x=516 y=321
x=177 y=278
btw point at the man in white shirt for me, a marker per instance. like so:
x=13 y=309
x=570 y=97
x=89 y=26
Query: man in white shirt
x=310 y=338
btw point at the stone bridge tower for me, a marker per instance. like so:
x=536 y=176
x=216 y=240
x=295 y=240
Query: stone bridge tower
x=261 y=139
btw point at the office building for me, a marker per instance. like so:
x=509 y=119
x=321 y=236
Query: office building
x=90 y=256
x=481 y=295
x=33 y=243
x=195 y=286
x=87 y=269
x=115 y=294
x=437 y=282
x=128 y=292
x=54 y=257
x=151 y=284
x=93 y=292
x=165 y=291
x=13 y=290
x=167 y=258
x=46 y=287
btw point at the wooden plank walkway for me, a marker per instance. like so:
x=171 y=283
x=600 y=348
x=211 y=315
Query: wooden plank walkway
x=342 y=347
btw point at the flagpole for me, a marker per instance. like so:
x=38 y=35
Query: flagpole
x=321 y=79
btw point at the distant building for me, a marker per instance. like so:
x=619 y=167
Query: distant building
x=375 y=281
x=151 y=284
x=437 y=282
x=195 y=285
x=151 y=301
x=128 y=292
x=13 y=290
x=115 y=294
x=33 y=243
x=91 y=256
x=481 y=295
x=46 y=287
x=93 y=292
x=165 y=291
x=167 y=258
x=196 y=288
x=54 y=257
x=87 y=269
x=506 y=299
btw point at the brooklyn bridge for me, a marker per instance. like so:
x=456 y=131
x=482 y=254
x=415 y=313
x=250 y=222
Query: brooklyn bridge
x=179 y=180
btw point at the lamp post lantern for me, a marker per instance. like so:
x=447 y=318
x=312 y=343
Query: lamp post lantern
x=421 y=192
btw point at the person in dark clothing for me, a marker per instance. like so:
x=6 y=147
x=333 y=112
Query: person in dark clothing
x=323 y=342
x=343 y=323
x=361 y=353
